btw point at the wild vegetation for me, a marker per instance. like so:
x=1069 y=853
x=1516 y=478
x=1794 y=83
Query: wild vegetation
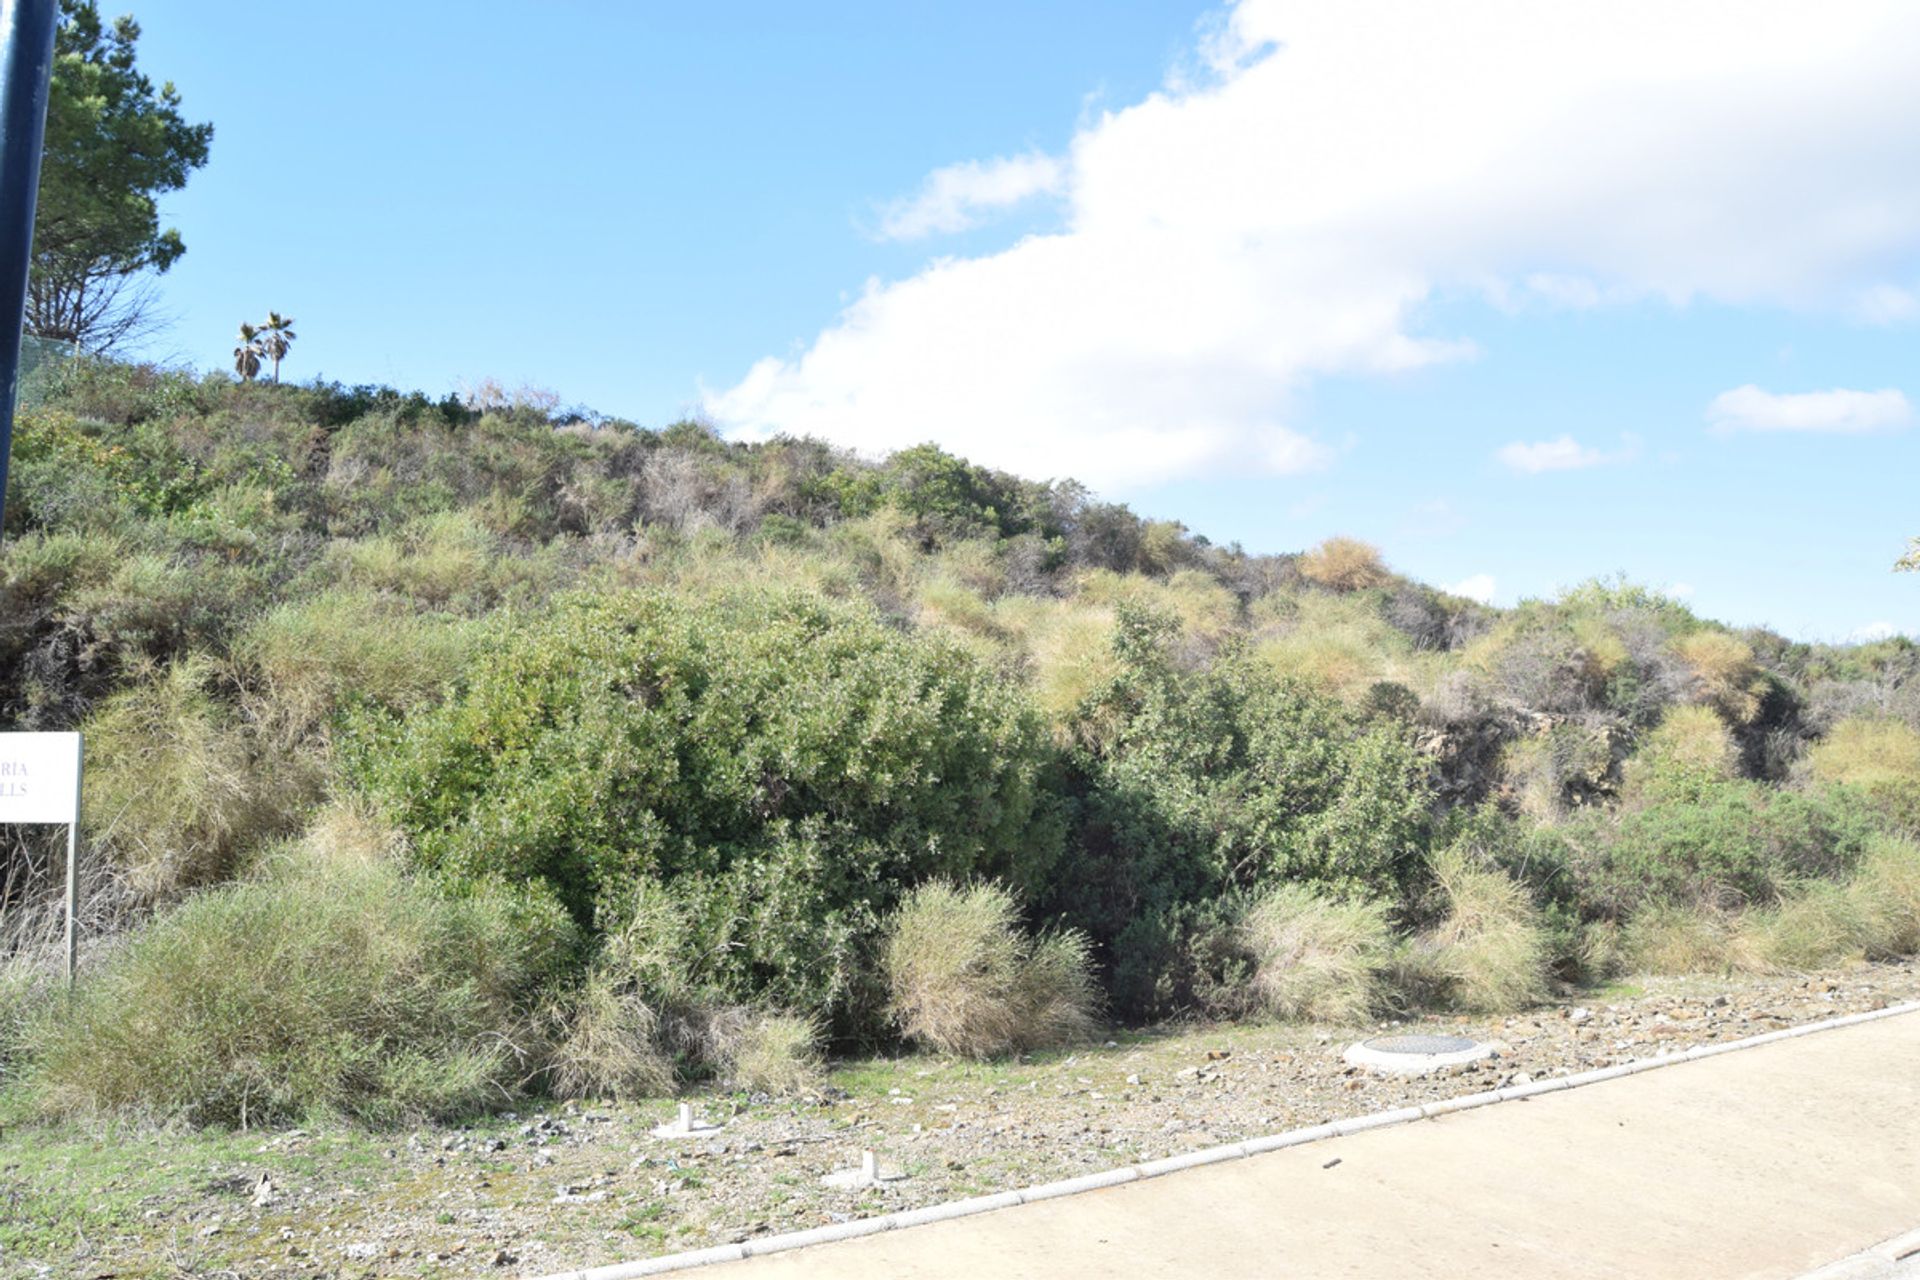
x=446 y=751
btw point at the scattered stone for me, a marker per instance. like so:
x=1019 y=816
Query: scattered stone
x=363 y=1251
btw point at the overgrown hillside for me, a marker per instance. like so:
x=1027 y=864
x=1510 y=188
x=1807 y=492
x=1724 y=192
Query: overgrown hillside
x=442 y=751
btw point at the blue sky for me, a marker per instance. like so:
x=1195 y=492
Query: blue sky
x=1463 y=281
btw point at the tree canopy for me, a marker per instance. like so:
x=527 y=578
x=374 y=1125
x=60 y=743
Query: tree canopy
x=114 y=143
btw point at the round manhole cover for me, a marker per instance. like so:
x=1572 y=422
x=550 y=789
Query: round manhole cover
x=1418 y=1044
x=1413 y=1054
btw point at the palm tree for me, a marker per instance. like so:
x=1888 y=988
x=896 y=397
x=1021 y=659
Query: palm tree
x=246 y=356
x=276 y=336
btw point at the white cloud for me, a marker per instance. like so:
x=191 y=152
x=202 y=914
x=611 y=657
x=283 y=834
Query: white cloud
x=954 y=198
x=1680 y=590
x=1839 y=411
x=1874 y=631
x=1564 y=454
x=1478 y=587
x=1287 y=215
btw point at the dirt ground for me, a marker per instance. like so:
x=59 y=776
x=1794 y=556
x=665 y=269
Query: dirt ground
x=580 y=1185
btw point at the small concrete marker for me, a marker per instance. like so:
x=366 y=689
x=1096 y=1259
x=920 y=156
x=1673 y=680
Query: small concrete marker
x=685 y=1126
x=869 y=1174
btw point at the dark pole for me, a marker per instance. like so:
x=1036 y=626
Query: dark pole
x=26 y=65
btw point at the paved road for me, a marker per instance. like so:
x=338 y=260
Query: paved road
x=1770 y=1162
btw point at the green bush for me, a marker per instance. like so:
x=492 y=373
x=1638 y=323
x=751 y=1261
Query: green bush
x=1218 y=782
x=1738 y=843
x=962 y=978
x=786 y=765
x=336 y=988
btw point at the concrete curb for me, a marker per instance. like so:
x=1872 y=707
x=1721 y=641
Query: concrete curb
x=1207 y=1155
x=1882 y=1261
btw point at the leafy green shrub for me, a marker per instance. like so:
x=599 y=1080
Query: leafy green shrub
x=963 y=978
x=1316 y=957
x=347 y=989
x=788 y=766
x=1218 y=782
x=1738 y=843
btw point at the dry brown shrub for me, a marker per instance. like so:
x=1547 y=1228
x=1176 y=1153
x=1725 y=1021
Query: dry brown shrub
x=1344 y=564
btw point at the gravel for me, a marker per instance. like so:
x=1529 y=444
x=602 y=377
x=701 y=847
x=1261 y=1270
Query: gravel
x=579 y=1186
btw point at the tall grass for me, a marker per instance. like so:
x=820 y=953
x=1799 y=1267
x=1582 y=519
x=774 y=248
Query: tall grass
x=1316 y=957
x=1489 y=951
x=963 y=978
x=343 y=989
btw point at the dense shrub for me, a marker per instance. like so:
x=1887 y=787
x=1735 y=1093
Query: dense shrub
x=788 y=765
x=1222 y=780
x=963 y=978
x=1737 y=843
x=335 y=988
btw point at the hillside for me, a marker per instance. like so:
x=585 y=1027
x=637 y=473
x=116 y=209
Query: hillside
x=656 y=757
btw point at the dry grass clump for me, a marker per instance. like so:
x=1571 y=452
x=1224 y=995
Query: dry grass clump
x=1571 y=762
x=1676 y=938
x=172 y=790
x=1344 y=564
x=1316 y=957
x=1886 y=884
x=438 y=559
x=1724 y=671
x=604 y=1042
x=963 y=979
x=772 y=1053
x=1821 y=925
x=1490 y=950
x=1690 y=751
x=1070 y=654
x=1340 y=644
x=946 y=602
x=1867 y=752
x=1207 y=611
x=314 y=655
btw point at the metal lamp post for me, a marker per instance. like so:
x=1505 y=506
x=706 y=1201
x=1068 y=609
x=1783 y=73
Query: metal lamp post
x=26 y=66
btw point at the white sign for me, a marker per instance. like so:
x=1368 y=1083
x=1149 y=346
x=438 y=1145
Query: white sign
x=40 y=777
